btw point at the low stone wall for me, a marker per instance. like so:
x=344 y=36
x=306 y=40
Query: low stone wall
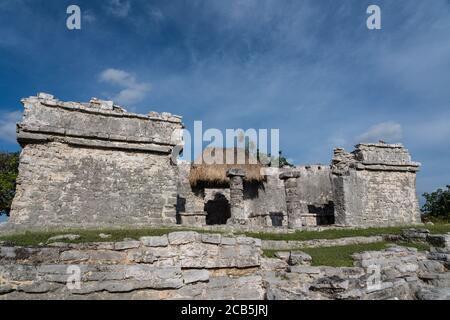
x=394 y=273
x=178 y=265
x=286 y=245
x=189 y=265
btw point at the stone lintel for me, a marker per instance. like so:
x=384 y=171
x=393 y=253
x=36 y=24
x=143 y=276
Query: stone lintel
x=235 y=172
x=411 y=167
x=290 y=174
x=100 y=107
x=29 y=137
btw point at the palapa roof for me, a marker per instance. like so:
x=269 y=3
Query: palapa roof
x=205 y=169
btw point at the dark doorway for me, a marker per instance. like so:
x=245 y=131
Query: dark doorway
x=325 y=213
x=277 y=219
x=218 y=210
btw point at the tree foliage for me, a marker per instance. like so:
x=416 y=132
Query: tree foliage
x=9 y=163
x=437 y=204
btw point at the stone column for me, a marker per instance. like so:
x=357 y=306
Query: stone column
x=292 y=199
x=237 y=196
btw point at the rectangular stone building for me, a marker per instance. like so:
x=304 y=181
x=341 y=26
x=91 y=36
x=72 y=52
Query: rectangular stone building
x=94 y=164
x=375 y=185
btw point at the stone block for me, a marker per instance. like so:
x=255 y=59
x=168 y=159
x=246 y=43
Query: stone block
x=439 y=240
x=124 y=245
x=157 y=241
x=211 y=238
x=74 y=256
x=283 y=255
x=228 y=241
x=59 y=238
x=183 y=237
x=192 y=276
x=299 y=258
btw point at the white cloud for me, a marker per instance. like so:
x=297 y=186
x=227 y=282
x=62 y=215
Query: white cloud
x=89 y=16
x=132 y=92
x=387 y=131
x=8 y=122
x=156 y=14
x=118 y=8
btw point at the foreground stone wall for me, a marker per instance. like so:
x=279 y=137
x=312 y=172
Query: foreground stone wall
x=397 y=273
x=189 y=265
x=93 y=164
x=175 y=266
x=375 y=185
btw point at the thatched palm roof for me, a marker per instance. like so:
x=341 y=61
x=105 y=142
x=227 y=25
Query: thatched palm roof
x=205 y=168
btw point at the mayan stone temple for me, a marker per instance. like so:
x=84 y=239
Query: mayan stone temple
x=95 y=165
x=105 y=209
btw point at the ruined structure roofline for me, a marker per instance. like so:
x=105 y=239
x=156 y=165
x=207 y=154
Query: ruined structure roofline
x=98 y=124
x=100 y=107
x=25 y=137
x=412 y=167
x=379 y=145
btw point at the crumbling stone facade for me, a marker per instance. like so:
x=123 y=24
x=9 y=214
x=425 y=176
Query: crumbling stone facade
x=94 y=164
x=262 y=205
x=375 y=185
x=189 y=265
x=180 y=265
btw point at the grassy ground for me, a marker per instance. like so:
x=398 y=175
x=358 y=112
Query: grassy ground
x=343 y=233
x=340 y=256
x=35 y=238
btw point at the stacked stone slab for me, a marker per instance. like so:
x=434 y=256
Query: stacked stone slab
x=189 y=265
x=375 y=185
x=310 y=196
x=94 y=164
x=237 y=196
x=263 y=204
x=180 y=265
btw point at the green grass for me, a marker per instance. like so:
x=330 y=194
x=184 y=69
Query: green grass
x=35 y=238
x=342 y=233
x=340 y=256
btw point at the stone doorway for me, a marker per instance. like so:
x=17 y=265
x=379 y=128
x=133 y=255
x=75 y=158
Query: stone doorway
x=217 y=210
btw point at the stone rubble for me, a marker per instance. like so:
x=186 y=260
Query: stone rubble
x=190 y=265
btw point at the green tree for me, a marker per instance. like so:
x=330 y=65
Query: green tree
x=437 y=204
x=279 y=161
x=9 y=163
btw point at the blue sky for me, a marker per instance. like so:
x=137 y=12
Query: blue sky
x=310 y=68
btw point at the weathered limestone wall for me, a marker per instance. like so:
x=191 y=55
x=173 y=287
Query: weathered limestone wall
x=264 y=204
x=375 y=186
x=93 y=165
x=395 y=273
x=311 y=195
x=181 y=265
x=189 y=265
x=191 y=201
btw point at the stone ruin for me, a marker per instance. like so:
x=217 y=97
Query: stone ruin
x=190 y=265
x=95 y=165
